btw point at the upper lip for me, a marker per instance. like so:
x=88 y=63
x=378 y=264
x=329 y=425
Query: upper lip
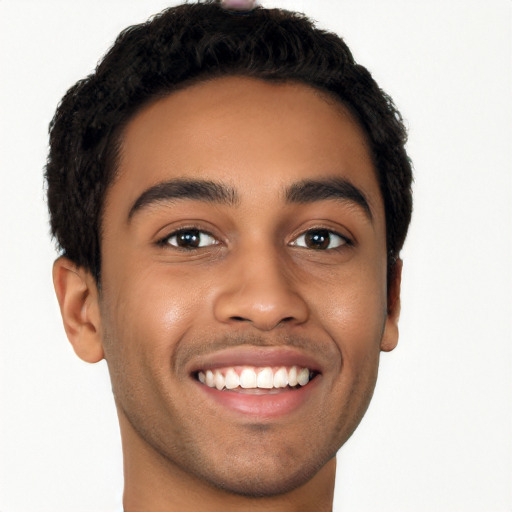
x=255 y=356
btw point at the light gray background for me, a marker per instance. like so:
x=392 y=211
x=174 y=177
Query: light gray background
x=437 y=437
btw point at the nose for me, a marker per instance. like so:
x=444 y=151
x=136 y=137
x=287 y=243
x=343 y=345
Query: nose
x=258 y=290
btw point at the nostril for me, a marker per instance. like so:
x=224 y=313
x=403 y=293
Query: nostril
x=285 y=320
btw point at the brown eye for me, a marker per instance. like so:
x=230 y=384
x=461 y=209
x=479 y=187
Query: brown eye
x=319 y=239
x=190 y=239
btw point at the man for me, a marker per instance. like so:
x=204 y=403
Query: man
x=231 y=193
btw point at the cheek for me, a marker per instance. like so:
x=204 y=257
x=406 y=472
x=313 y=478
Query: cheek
x=144 y=321
x=354 y=315
x=145 y=317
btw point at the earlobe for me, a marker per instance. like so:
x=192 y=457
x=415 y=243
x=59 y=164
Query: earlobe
x=78 y=299
x=390 y=337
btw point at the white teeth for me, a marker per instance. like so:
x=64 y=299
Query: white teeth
x=281 y=378
x=303 y=376
x=292 y=376
x=232 y=379
x=266 y=378
x=252 y=378
x=220 y=381
x=248 y=378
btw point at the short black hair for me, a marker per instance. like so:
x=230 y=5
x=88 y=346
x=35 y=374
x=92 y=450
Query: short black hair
x=186 y=44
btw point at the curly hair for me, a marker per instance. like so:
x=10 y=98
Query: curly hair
x=190 y=43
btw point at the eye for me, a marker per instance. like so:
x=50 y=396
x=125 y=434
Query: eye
x=189 y=239
x=320 y=239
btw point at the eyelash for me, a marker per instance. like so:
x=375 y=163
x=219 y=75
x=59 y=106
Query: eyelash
x=164 y=242
x=345 y=241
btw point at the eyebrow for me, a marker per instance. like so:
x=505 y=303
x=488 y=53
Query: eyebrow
x=180 y=188
x=306 y=191
x=309 y=191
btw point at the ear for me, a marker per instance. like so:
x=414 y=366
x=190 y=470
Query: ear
x=390 y=337
x=78 y=298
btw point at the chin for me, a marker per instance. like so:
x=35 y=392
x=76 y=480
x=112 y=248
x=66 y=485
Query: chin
x=255 y=479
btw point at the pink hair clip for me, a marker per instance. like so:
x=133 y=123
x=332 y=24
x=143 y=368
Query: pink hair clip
x=239 y=5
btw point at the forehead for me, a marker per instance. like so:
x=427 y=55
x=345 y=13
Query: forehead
x=248 y=133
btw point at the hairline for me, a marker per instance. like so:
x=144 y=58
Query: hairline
x=117 y=136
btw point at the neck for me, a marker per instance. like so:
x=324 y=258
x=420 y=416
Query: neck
x=152 y=482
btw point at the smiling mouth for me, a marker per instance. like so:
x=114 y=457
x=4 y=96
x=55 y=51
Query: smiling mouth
x=256 y=380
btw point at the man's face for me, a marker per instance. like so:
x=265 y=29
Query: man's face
x=244 y=235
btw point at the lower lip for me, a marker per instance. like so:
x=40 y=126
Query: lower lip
x=263 y=405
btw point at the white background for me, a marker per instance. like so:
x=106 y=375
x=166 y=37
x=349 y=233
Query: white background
x=437 y=437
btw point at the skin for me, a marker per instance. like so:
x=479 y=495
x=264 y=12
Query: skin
x=254 y=283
